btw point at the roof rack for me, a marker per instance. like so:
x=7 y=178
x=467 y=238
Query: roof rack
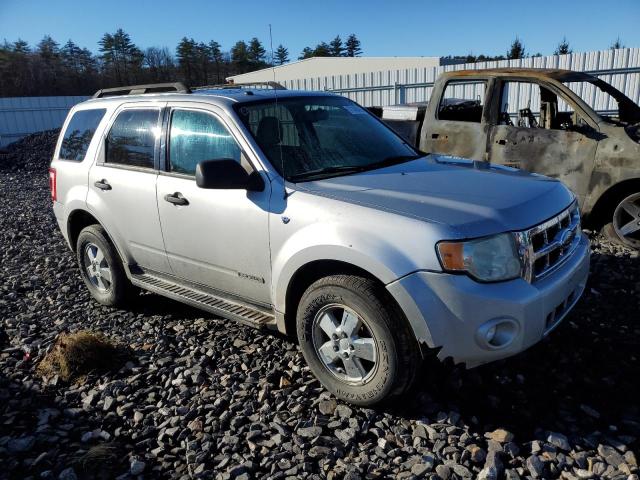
x=177 y=87
x=223 y=86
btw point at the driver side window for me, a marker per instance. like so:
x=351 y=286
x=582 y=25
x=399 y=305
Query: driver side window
x=530 y=105
x=196 y=136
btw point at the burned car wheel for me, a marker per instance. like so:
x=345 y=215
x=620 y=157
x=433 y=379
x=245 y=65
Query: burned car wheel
x=625 y=225
x=354 y=341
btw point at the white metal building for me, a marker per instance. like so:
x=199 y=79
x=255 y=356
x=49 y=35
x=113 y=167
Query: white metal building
x=323 y=66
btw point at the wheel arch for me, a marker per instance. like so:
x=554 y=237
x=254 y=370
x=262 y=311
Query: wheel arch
x=78 y=220
x=607 y=202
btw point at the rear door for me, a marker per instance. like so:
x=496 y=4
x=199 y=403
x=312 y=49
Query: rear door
x=456 y=123
x=122 y=185
x=541 y=131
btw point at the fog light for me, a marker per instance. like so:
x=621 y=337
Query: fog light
x=497 y=333
x=491 y=333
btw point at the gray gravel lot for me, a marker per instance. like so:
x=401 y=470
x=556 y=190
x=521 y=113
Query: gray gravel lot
x=203 y=397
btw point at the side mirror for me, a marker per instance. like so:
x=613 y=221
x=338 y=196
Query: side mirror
x=227 y=174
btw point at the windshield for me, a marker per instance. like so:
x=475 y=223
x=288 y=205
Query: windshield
x=307 y=138
x=610 y=103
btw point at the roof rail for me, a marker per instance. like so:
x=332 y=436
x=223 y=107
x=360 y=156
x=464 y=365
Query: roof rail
x=177 y=87
x=274 y=85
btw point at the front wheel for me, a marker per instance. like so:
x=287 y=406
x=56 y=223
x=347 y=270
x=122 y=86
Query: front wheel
x=625 y=222
x=354 y=341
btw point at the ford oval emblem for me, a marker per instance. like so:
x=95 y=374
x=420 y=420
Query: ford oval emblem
x=567 y=237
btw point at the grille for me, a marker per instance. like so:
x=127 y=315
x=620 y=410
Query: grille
x=546 y=246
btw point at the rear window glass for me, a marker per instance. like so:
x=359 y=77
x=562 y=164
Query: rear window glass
x=79 y=133
x=132 y=138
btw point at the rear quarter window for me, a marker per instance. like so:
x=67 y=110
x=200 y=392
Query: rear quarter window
x=79 y=132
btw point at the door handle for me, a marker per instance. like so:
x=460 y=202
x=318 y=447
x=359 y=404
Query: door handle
x=176 y=199
x=502 y=141
x=435 y=135
x=102 y=185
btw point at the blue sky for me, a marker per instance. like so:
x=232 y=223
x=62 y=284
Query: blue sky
x=385 y=28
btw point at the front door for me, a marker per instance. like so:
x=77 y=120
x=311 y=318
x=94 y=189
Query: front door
x=122 y=186
x=547 y=135
x=216 y=238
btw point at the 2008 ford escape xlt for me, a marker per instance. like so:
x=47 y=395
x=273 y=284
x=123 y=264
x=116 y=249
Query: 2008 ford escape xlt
x=302 y=212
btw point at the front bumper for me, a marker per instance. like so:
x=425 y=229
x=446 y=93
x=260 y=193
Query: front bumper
x=450 y=312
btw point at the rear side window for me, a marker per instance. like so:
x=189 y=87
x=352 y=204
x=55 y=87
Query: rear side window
x=79 y=133
x=462 y=101
x=197 y=136
x=132 y=138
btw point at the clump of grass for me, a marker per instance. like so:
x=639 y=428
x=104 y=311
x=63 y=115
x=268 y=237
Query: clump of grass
x=100 y=462
x=74 y=355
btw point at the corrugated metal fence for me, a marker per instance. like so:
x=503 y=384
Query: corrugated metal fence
x=620 y=67
x=20 y=116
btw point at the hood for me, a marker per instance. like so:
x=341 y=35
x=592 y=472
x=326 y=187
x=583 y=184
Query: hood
x=474 y=198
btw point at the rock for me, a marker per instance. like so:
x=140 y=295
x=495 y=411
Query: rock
x=611 y=455
x=559 y=440
x=327 y=407
x=346 y=435
x=500 y=435
x=443 y=472
x=478 y=455
x=309 y=432
x=68 y=474
x=21 y=445
x=535 y=466
x=138 y=417
x=136 y=467
x=343 y=411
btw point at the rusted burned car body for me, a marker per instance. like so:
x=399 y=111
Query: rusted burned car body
x=557 y=134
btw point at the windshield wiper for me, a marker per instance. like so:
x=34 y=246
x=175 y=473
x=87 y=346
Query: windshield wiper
x=320 y=172
x=386 y=162
x=346 y=169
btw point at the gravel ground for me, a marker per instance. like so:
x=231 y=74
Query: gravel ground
x=206 y=398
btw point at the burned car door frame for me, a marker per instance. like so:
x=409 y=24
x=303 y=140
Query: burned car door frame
x=452 y=135
x=543 y=146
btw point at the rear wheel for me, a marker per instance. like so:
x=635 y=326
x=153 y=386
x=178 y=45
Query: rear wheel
x=101 y=268
x=354 y=341
x=625 y=222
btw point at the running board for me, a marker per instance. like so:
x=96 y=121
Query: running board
x=232 y=309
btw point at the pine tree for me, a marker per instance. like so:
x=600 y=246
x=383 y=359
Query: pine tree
x=336 y=48
x=307 y=52
x=282 y=55
x=563 y=47
x=322 y=50
x=186 y=56
x=617 y=44
x=516 y=50
x=353 y=46
x=256 y=52
x=240 y=56
x=215 y=50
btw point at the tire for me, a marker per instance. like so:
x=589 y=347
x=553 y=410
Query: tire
x=96 y=256
x=624 y=227
x=365 y=365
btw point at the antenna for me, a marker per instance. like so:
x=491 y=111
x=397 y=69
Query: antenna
x=275 y=94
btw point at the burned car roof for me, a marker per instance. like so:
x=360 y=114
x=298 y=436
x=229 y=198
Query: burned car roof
x=555 y=74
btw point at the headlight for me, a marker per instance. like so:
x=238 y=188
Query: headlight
x=488 y=259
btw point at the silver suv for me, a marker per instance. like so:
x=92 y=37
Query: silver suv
x=302 y=212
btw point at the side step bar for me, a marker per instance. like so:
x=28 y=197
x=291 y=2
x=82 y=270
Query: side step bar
x=232 y=309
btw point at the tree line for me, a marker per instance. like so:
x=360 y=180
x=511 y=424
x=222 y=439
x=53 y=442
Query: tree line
x=50 y=68
x=517 y=50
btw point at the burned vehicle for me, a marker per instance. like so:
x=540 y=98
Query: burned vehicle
x=541 y=121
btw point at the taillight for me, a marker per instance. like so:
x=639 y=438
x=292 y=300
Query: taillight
x=52 y=184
